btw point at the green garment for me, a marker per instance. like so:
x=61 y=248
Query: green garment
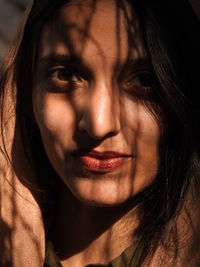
x=124 y=260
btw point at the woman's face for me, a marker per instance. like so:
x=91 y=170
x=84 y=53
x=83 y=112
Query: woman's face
x=91 y=79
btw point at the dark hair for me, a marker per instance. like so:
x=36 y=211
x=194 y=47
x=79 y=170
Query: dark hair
x=171 y=33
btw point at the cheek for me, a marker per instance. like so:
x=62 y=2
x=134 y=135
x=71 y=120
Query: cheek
x=145 y=130
x=55 y=117
x=149 y=129
x=148 y=144
x=141 y=123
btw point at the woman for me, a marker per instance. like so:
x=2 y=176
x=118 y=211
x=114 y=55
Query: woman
x=102 y=100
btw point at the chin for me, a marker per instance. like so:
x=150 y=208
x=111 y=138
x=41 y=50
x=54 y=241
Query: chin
x=105 y=190
x=101 y=197
x=94 y=202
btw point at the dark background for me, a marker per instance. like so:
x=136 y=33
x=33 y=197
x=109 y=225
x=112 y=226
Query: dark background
x=11 y=13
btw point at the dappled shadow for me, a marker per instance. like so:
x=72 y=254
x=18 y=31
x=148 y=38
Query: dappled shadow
x=34 y=186
x=66 y=44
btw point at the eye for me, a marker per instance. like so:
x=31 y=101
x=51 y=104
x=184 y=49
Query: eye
x=65 y=79
x=143 y=79
x=63 y=74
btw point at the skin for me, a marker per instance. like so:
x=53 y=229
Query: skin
x=91 y=96
x=96 y=107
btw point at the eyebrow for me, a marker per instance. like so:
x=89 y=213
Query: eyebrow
x=74 y=60
x=139 y=63
x=60 y=58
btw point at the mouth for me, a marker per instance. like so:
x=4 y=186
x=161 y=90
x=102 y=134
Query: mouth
x=106 y=161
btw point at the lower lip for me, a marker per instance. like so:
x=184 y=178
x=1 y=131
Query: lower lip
x=101 y=165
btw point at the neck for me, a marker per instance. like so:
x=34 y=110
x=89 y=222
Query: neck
x=83 y=235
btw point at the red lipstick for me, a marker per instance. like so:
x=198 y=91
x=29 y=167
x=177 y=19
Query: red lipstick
x=102 y=161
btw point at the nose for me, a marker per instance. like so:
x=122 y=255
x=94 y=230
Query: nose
x=101 y=114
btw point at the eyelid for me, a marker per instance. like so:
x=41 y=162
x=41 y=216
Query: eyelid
x=54 y=69
x=71 y=69
x=65 y=61
x=50 y=70
x=135 y=85
x=135 y=67
x=64 y=79
x=137 y=73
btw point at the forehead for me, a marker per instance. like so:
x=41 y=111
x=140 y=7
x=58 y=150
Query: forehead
x=85 y=28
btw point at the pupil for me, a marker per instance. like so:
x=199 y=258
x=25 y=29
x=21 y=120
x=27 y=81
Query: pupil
x=65 y=75
x=146 y=80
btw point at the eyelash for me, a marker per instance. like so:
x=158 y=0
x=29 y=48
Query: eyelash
x=57 y=73
x=137 y=83
x=143 y=79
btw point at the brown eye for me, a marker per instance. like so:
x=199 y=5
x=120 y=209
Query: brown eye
x=139 y=84
x=144 y=79
x=65 y=79
x=64 y=75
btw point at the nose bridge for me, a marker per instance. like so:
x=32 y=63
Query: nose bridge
x=102 y=115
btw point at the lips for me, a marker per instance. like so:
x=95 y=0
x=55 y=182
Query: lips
x=102 y=161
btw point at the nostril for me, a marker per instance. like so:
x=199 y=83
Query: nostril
x=99 y=126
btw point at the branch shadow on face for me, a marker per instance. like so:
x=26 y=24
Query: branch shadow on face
x=40 y=166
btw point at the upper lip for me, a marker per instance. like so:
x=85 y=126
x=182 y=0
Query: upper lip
x=103 y=154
